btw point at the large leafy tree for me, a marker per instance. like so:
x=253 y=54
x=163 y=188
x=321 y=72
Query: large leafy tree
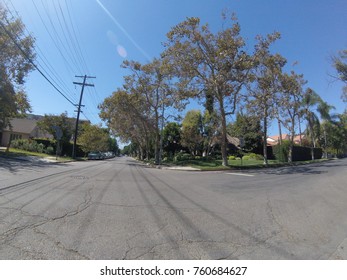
x=340 y=64
x=291 y=104
x=265 y=84
x=249 y=128
x=310 y=101
x=151 y=83
x=212 y=65
x=14 y=67
x=94 y=138
x=172 y=138
x=335 y=135
x=314 y=110
x=192 y=132
x=61 y=127
x=129 y=118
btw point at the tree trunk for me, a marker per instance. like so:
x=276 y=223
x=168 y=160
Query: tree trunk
x=325 y=143
x=300 y=131
x=265 y=138
x=313 y=145
x=157 y=138
x=291 y=144
x=280 y=131
x=224 y=135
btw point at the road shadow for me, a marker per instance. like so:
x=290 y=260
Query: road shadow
x=16 y=164
x=309 y=169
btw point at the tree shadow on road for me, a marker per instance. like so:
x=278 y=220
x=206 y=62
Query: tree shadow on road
x=14 y=165
x=309 y=169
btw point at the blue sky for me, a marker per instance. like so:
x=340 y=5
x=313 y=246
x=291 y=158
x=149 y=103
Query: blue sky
x=105 y=32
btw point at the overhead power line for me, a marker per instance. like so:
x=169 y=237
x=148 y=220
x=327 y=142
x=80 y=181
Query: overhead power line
x=32 y=62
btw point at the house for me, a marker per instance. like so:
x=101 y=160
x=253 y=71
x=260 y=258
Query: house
x=274 y=140
x=21 y=129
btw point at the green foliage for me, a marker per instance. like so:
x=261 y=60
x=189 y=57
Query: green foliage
x=94 y=138
x=213 y=64
x=340 y=64
x=231 y=158
x=50 y=150
x=249 y=128
x=281 y=151
x=172 y=138
x=335 y=135
x=299 y=153
x=28 y=145
x=183 y=157
x=254 y=156
x=192 y=132
x=14 y=67
x=49 y=123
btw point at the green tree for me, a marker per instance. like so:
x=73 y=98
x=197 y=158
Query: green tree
x=64 y=124
x=172 y=139
x=340 y=64
x=290 y=104
x=113 y=144
x=265 y=84
x=324 y=109
x=247 y=127
x=128 y=117
x=14 y=67
x=151 y=82
x=336 y=135
x=210 y=127
x=94 y=138
x=310 y=101
x=192 y=132
x=212 y=64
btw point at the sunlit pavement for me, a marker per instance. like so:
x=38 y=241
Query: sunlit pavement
x=121 y=209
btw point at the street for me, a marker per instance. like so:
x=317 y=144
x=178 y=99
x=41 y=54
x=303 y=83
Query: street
x=122 y=209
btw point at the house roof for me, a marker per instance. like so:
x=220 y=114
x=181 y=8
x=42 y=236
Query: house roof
x=277 y=137
x=273 y=140
x=233 y=140
x=24 y=126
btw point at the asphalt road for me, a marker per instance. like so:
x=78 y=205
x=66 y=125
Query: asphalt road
x=121 y=209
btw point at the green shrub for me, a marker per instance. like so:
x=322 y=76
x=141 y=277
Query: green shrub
x=281 y=151
x=246 y=158
x=40 y=148
x=28 y=145
x=231 y=158
x=255 y=156
x=50 y=150
x=183 y=157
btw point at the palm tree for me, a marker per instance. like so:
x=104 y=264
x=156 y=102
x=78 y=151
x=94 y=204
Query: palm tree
x=313 y=101
x=324 y=111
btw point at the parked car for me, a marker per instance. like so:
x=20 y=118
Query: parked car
x=96 y=155
x=109 y=155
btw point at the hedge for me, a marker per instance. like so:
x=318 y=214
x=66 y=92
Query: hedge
x=300 y=153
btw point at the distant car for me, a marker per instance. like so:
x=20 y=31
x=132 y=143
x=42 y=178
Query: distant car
x=95 y=155
x=108 y=155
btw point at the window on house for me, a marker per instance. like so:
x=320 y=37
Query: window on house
x=15 y=136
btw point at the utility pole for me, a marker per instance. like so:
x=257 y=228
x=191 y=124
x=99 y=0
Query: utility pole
x=85 y=77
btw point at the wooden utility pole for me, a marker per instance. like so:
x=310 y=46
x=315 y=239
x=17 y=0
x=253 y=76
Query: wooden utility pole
x=85 y=77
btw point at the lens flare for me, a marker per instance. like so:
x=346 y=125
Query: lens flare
x=123 y=30
x=122 y=51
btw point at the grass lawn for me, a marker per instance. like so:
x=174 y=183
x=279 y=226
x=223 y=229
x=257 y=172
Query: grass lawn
x=210 y=165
